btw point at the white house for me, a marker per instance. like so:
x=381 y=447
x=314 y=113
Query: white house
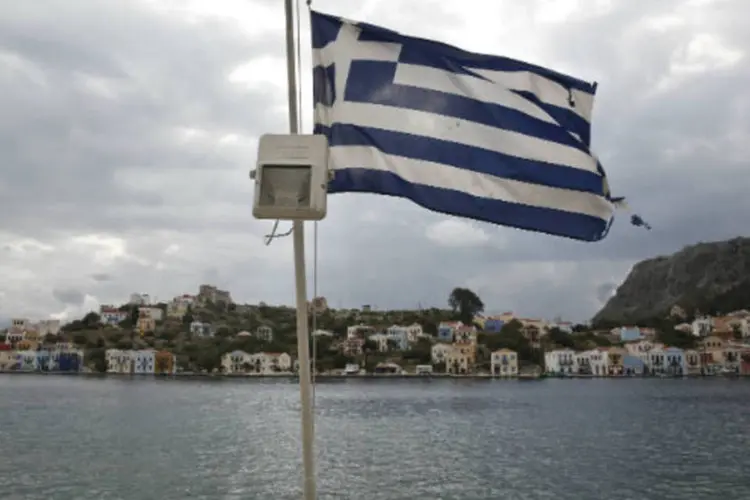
x=641 y=349
x=264 y=332
x=359 y=331
x=119 y=361
x=27 y=361
x=599 y=362
x=561 y=361
x=504 y=363
x=271 y=362
x=702 y=327
x=583 y=362
x=200 y=329
x=439 y=351
x=322 y=333
x=381 y=340
x=236 y=362
x=109 y=315
x=414 y=332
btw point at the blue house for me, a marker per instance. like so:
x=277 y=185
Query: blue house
x=43 y=359
x=493 y=325
x=445 y=331
x=630 y=333
x=632 y=365
x=67 y=361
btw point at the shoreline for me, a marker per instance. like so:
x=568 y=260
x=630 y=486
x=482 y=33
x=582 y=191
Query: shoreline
x=336 y=377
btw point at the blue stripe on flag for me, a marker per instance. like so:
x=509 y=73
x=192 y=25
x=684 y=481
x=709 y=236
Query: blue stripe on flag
x=501 y=160
x=462 y=156
x=555 y=222
x=368 y=78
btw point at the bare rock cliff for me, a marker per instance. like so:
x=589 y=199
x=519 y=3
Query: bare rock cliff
x=708 y=277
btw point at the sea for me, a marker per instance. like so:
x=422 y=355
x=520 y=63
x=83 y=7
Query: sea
x=88 y=438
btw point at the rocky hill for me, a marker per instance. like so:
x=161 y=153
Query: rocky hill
x=708 y=277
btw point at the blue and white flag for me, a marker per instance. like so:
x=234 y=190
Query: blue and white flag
x=477 y=136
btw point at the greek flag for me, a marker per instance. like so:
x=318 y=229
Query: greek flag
x=472 y=135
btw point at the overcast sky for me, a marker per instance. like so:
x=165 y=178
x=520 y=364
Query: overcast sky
x=127 y=130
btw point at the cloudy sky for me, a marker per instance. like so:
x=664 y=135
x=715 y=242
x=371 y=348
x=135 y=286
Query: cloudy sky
x=128 y=129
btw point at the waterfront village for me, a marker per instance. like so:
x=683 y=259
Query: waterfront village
x=207 y=333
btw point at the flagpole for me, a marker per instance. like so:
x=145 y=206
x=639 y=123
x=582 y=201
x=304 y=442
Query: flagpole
x=303 y=347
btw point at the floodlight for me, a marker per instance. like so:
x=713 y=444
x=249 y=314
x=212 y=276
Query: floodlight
x=291 y=180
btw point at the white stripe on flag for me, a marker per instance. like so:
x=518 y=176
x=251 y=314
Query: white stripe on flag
x=467 y=86
x=469 y=182
x=436 y=126
x=548 y=91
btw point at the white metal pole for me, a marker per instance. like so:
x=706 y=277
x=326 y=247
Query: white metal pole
x=300 y=278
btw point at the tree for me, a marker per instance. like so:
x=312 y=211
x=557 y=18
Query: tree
x=91 y=320
x=465 y=304
x=50 y=339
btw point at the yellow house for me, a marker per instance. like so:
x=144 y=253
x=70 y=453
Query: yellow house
x=457 y=360
x=615 y=362
x=712 y=353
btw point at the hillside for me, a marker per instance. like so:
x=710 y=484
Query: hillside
x=708 y=277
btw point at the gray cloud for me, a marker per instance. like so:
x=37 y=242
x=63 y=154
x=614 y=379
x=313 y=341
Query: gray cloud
x=126 y=148
x=68 y=296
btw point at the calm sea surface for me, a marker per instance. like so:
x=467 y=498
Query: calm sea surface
x=75 y=438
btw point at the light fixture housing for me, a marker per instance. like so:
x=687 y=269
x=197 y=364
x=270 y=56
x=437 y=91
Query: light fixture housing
x=291 y=178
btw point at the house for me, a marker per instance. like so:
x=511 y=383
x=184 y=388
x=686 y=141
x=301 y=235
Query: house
x=633 y=365
x=200 y=329
x=627 y=333
x=641 y=349
x=322 y=333
x=674 y=361
x=563 y=326
x=414 y=332
x=615 y=366
x=599 y=359
x=43 y=360
x=712 y=354
x=237 y=362
x=147 y=319
x=446 y=329
x=27 y=361
x=243 y=334
x=110 y=315
x=271 y=362
x=157 y=313
x=533 y=330
x=504 y=363
x=381 y=340
x=14 y=336
x=119 y=361
x=703 y=326
x=352 y=346
x=457 y=362
x=560 y=362
x=399 y=335
x=211 y=294
x=465 y=335
x=732 y=358
x=493 y=324
x=438 y=353
x=165 y=363
x=264 y=333
x=692 y=362
x=180 y=305
x=359 y=331
x=144 y=362
x=8 y=359
x=20 y=324
x=583 y=362
x=66 y=359
x=744 y=361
